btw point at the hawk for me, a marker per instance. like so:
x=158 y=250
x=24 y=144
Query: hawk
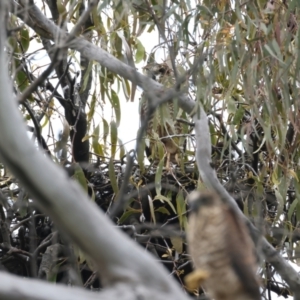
x=163 y=130
x=221 y=249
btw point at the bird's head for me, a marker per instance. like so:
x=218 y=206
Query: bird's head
x=156 y=71
x=198 y=200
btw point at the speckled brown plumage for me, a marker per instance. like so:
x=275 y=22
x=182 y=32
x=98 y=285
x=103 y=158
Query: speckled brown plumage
x=163 y=128
x=221 y=248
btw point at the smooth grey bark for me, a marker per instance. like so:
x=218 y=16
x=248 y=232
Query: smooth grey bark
x=36 y=20
x=16 y=288
x=120 y=261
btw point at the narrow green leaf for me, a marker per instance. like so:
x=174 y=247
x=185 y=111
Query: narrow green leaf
x=122 y=148
x=86 y=76
x=25 y=40
x=91 y=112
x=22 y=80
x=95 y=143
x=80 y=177
x=205 y=10
x=238 y=115
x=181 y=210
x=112 y=176
x=115 y=102
x=268 y=48
x=165 y=199
x=158 y=176
x=113 y=138
x=61 y=9
x=45 y=121
x=127 y=214
x=105 y=130
x=126 y=88
x=298 y=211
x=103 y=85
x=23 y=208
x=140 y=52
x=163 y=210
x=152 y=209
x=177 y=243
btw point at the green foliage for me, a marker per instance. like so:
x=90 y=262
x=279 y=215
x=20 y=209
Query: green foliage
x=80 y=177
x=240 y=60
x=113 y=138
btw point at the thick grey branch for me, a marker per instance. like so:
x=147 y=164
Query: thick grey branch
x=15 y=288
x=203 y=154
x=68 y=205
x=92 y=52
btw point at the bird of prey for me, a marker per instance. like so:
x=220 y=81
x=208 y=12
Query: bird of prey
x=221 y=249
x=163 y=130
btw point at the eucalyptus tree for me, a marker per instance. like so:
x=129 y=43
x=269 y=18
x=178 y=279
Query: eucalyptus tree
x=235 y=88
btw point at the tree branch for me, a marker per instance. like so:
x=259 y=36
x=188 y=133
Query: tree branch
x=202 y=132
x=58 y=195
x=13 y=287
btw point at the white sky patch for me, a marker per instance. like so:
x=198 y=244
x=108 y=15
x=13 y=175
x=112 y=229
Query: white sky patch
x=130 y=118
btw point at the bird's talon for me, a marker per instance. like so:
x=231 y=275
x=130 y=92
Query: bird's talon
x=195 y=279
